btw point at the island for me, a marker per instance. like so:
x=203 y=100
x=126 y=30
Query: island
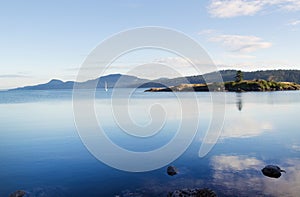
x=239 y=85
x=183 y=83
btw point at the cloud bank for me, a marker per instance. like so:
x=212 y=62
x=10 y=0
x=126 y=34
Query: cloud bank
x=233 y=8
x=241 y=43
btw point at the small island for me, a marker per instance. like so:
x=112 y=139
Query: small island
x=239 y=85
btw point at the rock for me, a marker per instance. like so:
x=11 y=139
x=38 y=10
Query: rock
x=272 y=171
x=193 y=193
x=18 y=193
x=159 y=90
x=171 y=170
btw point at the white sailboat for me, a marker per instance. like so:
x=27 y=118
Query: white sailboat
x=105 y=87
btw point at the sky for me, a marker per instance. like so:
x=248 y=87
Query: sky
x=42 y=40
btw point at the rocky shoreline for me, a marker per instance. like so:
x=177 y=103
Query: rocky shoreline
x=193 y=192
x=232 y=86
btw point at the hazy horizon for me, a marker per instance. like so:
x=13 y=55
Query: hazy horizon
x=47 y=81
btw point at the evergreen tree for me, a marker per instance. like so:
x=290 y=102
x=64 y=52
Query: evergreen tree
x=238 y=76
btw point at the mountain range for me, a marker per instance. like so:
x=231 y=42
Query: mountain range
x=132 y=81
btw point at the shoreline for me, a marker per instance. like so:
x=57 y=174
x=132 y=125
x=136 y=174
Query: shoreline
x=231 y=86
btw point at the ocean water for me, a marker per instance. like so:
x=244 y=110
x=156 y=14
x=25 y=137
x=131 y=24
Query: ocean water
x=42 y=153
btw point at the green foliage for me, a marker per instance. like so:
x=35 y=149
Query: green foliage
x=232 y=86
x=260 y=85
x=268 y=75
x=239 y=76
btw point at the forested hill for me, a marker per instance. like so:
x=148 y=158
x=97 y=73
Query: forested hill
x=229 y=75
x=269 y=75
x=132 y=81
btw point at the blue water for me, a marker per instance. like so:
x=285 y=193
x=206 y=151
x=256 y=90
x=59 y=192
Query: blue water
x=42 y=153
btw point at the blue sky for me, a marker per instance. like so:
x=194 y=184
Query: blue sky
x=41 y=40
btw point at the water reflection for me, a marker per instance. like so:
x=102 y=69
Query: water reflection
x=295 y=147
x=237 y=174
x=46 y=192
x=245 y=127
x=235 y=163
x=230 y=175
x=259 y=129
x=239 y=101
x=241 y=174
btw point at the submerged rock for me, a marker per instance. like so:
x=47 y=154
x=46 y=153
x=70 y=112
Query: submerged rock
x=18 y=193
x=193 y=193
x=171 y=170
x=272 y=171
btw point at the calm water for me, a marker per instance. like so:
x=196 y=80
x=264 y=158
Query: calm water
x=41 y=151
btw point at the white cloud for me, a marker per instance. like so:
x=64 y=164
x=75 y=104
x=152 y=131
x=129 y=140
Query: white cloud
x=174 y=61
x=14 y=76
x=248 y=65
x=239 y=43
x=179 y=62
x=294 y=23
x=290 y=5
x=187 y=66
x=240 y=56
x=233 y=8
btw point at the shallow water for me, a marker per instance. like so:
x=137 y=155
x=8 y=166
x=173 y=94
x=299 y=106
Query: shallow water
x=41 y=151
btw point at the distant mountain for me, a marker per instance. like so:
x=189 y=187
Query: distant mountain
x=111 y=80
x=132 y=81
x=53 y=84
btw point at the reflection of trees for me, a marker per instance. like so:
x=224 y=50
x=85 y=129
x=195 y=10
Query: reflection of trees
x=239 y=101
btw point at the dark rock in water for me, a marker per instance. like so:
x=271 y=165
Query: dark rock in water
x=193 y=193
x=172 y=170
x=18 y=193
x=272 y=171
